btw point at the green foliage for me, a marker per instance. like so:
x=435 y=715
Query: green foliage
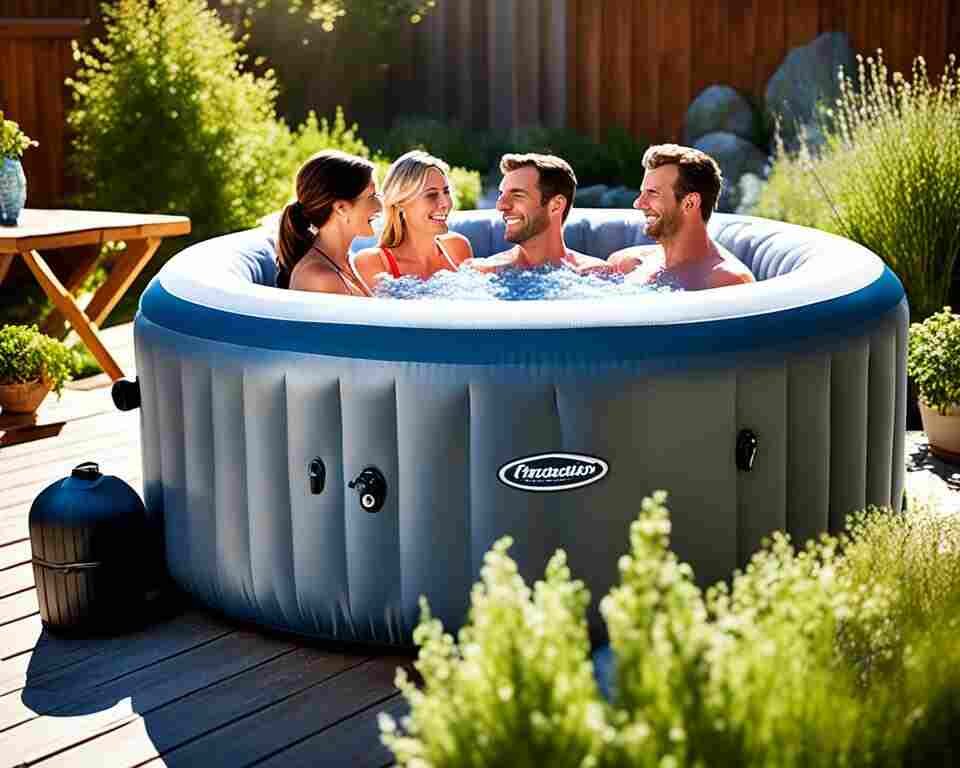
x=452 y=142
x=165 y=120
x=466 y=186
x=840 y=653
x=13 y=141
x=889 y=175
x=517 y=689
x=615 y=160
x=315 y=135
x=378 y=14
x=933 y=359
x=27 y=355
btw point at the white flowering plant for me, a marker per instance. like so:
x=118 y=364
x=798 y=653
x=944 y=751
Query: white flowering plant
x=13 y=141
x=840 y=653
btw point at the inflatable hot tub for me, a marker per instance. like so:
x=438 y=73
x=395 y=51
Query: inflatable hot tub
x=318 y=462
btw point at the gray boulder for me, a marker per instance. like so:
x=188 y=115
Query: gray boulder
x=749 y=188
x=618 y=197
x=590 y=197
x=719 y=108
x=736 y=156
x=808 y=77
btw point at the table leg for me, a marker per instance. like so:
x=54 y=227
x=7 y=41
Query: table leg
x=128 y=265
x=6 y=259
x=84 y=259
x=64 y=301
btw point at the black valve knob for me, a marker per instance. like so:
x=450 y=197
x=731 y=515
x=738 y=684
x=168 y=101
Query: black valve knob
x=371 y=486
x=126 y=394
x=747 y=445
x=318 y=475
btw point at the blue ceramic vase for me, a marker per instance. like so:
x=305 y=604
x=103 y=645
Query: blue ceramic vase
x=13 y=191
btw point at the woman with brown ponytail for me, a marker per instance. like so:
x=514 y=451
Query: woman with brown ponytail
x=415 y=240
x=336 y=201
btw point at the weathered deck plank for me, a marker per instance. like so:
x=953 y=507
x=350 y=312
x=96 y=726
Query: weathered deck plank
x=192 y=688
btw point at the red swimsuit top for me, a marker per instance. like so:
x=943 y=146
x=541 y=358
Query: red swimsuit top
x=395 y=268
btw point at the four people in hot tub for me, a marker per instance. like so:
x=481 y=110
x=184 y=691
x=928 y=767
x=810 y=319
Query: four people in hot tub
x=679 y=192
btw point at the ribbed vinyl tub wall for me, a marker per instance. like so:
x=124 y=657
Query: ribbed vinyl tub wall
x=244 y=532
x=229 y=432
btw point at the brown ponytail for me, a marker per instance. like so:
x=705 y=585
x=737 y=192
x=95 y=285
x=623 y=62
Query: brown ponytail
x=326 y=177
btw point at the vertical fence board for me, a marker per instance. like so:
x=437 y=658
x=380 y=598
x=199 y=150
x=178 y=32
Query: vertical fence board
x=676 y=20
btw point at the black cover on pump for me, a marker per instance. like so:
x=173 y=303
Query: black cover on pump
x=93 y=555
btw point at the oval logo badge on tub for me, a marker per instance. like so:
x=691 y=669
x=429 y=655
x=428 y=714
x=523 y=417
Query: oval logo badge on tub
x=552 y=471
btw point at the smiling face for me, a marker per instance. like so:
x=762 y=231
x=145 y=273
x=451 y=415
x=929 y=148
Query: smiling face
x=658 y=202
x=521 y=203
x=363 y=210
x=429 y=208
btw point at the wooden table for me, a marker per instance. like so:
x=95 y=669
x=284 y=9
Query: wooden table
x=39 y=230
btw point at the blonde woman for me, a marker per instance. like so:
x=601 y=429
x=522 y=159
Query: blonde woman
x=415 y=239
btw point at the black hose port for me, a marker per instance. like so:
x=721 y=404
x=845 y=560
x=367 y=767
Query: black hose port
x=126 y=394
x=317 y=473
x=371 y=487
x=747 y=446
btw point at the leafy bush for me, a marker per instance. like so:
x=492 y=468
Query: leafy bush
x=889 y=174
x=27 y=355
x=841 y=653
x=933 y=359
x=451 y=142
x=13 y=141
x=165 y=120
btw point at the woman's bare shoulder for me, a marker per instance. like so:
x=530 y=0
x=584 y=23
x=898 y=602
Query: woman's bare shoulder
x=457 y=246
x=315 y=276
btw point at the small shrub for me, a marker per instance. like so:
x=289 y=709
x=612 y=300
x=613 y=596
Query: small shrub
x=27 y=355
x=451 y=142
x=933 y=359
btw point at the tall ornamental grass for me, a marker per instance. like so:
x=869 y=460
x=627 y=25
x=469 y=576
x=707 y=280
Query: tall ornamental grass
x=841 y=653
x=888 y=175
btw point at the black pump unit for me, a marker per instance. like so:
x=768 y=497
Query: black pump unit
x=93 y=552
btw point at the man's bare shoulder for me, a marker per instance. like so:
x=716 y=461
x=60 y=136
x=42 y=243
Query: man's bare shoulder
x=584 y=263
x=495 y=262
x=627 y=259
x=729 y=270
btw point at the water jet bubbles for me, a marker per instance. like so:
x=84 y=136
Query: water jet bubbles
x=548 y=282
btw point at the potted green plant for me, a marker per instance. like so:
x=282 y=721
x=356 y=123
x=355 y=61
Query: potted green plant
x=31 y=364
x=13 y=182
x=933 y=362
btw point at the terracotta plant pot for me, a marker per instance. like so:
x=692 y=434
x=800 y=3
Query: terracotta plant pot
x=943 y=432
x=22 y=398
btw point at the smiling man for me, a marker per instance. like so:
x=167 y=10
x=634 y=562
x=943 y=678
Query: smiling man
x=679 y=192
x=536 y=195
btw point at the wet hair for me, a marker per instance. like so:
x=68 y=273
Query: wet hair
x=324 y=179
x=556 y=176
x=405 y=179
x=697 y=172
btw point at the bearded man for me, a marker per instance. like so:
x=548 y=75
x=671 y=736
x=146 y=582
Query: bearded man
x=536 y=196
x=680 y=189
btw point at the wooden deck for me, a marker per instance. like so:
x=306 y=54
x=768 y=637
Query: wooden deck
x=190 y=689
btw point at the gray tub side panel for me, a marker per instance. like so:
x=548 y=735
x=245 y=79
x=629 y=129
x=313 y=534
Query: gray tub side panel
x=433 y=444
x=317 y=520
x=762 y=492
x=849 y=392
x=149 y=426
x=236 y=428
x=369 y=407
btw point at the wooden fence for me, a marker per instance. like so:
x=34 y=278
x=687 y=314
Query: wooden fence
x=496 y=64
x=640 y=63
x=35 y=57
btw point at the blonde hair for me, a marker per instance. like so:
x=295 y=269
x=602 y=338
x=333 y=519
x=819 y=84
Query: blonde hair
x=406 y=178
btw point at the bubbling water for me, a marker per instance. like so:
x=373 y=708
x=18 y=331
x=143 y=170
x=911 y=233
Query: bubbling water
x=547 y=282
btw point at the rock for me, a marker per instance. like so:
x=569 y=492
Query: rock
x=808 y=75
x=618 y=197
x=736 y=156
x=590 y=197
x=719 y=108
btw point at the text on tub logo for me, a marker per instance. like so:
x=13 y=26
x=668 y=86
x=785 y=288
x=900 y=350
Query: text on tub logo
x=552 y=471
